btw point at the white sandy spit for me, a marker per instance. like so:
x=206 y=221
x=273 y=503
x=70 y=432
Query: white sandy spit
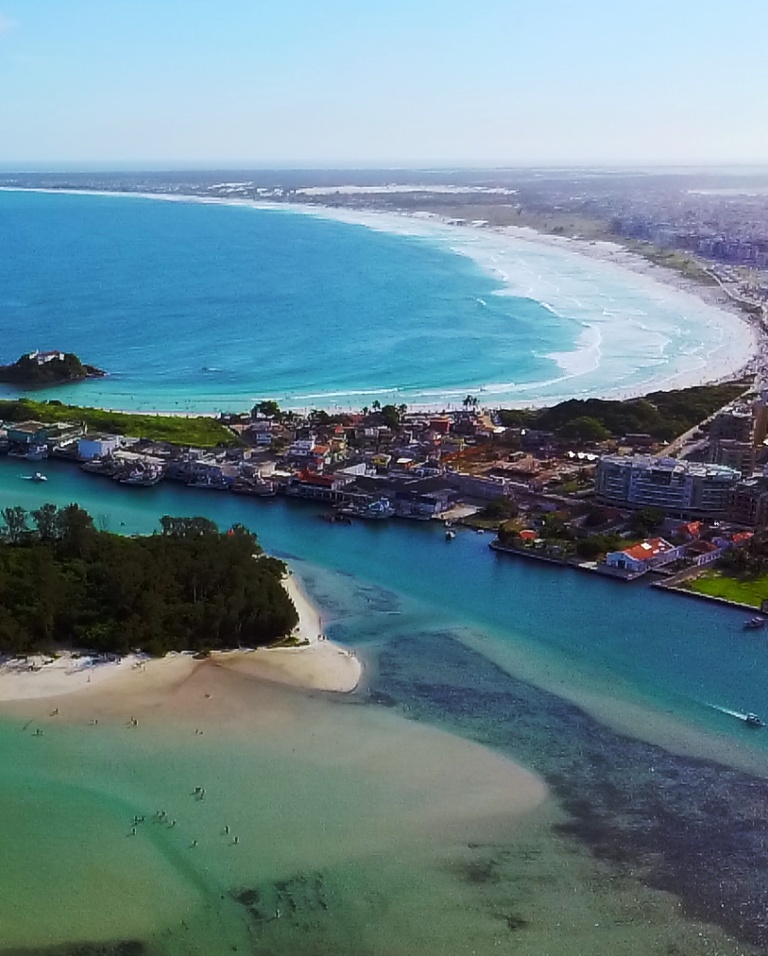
x=318 y=664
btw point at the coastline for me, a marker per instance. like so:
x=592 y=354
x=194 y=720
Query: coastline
x=178 y=687
x=313 y=663
x=748 y=338
x=734 y=350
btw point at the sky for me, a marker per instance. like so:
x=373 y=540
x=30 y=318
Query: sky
x=114 y=84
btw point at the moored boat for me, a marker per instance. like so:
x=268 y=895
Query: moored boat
x=258 y=487
x=754 y=623
x=378 y=510
x=140 y=476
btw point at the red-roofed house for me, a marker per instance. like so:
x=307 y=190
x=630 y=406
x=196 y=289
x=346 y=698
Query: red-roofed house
x=691 y=530
x=643 y=556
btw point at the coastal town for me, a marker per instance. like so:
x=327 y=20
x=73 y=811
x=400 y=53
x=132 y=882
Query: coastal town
x=586 y=492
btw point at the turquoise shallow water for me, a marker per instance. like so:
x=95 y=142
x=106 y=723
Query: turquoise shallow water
x=444 y=629
x=356 y=861
x=193 y=306
x=688 y=657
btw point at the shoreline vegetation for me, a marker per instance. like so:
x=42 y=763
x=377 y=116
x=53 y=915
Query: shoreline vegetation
x=188 y=593
x=201 y=431
x=663 y=414
x=189 y=587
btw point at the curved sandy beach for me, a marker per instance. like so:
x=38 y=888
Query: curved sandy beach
x=494 y=249
x=635 y=327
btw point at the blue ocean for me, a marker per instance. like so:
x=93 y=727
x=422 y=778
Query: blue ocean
x=195 y=306
x=384 y=822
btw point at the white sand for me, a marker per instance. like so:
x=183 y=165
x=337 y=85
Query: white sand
x=29 y=678
x=741 y=338
x=318 y=664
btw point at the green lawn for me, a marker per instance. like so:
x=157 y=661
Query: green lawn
x=745 y=590
x=200 y=432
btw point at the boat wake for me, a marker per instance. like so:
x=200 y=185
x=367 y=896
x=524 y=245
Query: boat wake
x=726 y=710
x=751 y=720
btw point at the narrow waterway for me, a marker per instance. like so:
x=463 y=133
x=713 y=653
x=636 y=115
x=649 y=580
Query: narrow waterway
x=608 y=691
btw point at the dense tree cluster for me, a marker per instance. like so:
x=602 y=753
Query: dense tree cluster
x=187 y=587
x=662 y=415
x=751 y=560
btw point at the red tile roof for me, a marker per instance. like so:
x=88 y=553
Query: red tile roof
x=650 y=548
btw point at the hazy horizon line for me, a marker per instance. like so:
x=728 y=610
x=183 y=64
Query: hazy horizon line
x=156 y=166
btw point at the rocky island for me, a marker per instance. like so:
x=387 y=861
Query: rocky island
x=48 y=368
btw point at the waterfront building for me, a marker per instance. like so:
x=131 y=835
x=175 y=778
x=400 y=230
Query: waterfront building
x=643 y=556
x=27 y=433
x=684 y=488
x=97 y=446
x=43 y=358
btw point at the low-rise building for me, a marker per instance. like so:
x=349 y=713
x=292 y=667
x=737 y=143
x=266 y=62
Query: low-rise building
x=97 y=446
x=27 y=433
x=641 y=557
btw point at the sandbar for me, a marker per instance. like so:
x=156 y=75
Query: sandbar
x=313 y=663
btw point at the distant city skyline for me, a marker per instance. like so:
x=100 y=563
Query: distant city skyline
x=140 y=84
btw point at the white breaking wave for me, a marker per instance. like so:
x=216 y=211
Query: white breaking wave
x=630 y=333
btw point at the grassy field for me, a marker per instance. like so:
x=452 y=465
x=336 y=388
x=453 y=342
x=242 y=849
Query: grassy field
x=200 y=432
x=745 y=590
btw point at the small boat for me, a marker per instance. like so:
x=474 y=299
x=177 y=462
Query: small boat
x=450 y=535
x=258 y=487
x=754 y=623
x=141 y=476
x=38 y=476
x=752 y=720
x=373 y=510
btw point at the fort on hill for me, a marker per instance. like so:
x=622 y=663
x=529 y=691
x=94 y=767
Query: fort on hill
x=48 y=368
